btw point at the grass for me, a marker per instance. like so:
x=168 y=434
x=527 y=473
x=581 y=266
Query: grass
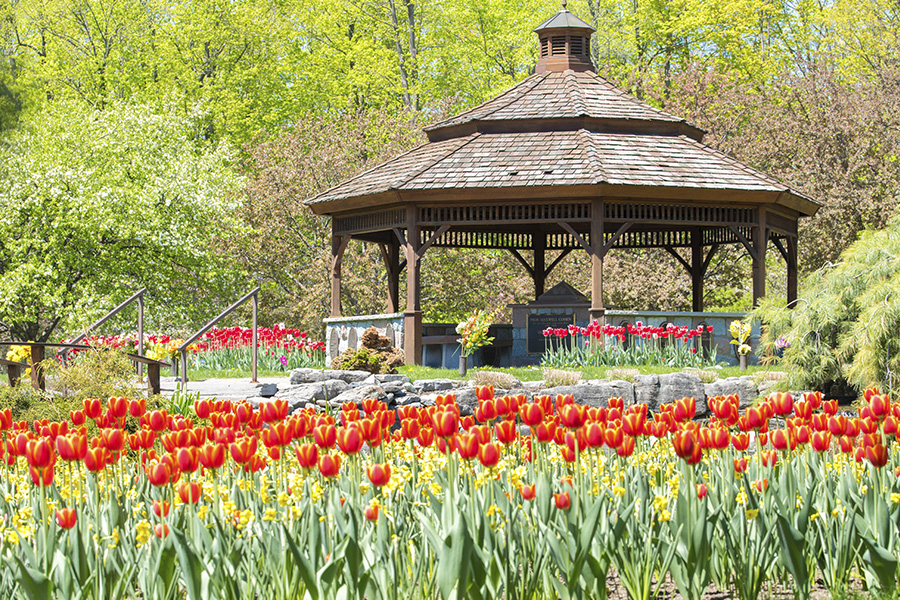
x=202 y=374
x=535 y=373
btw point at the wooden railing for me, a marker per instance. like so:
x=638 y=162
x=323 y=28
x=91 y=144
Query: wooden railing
x=252 y=294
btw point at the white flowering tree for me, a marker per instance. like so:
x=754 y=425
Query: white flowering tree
x=95 y=204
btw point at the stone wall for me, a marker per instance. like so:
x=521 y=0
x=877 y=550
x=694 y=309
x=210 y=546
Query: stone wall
x=342 y=333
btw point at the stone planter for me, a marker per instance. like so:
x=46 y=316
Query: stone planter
x=463 y=364
x=743 y=359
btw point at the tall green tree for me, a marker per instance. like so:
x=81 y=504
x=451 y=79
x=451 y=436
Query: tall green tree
x=96 y=204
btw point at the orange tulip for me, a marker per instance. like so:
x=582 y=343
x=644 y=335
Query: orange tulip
x=371 y=512
x=349 y=439
x=489 y=454
x=562 y=500
x=379 y=473
x=527 y=492
x=161 y=508
x=66 y=517
x=506 y=431
x=446 y=423
x=330 y=465
x=467 y=445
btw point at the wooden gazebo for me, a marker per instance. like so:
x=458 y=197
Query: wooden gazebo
x=562 y=161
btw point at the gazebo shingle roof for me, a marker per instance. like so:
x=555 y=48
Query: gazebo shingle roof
x=556 y=95
x=556 y=129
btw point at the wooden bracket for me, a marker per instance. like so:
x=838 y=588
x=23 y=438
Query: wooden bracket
x=577 y=236
x=683 y=262
x=522 y=260
x=608 y=245
x=434 y=237
x=747 y=245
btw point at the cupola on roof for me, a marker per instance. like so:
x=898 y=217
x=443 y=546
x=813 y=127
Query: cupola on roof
x=565 y=43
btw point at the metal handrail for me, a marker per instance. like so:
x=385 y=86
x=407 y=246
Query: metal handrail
x=139 y=296
x=182 y=350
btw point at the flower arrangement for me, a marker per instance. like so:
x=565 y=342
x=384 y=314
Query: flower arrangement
x=474 y=332
x=740 y=331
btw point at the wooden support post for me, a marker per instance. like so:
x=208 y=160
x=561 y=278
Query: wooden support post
x=791 y=270
x=37 y=371
x=539 y=241
x=760 y=241
x=393 y=270
x=597 y=226
x=697 y=270
x=338 y=245
x=412 y=317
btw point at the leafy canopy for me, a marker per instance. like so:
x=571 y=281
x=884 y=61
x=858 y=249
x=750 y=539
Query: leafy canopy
x=96 y=204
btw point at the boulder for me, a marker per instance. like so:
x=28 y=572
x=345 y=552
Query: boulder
x=300 y=376
x=268 y=390
x=646 y=390
x=743 y=387
x=299 y=395
x=673 y=386
x=345 y=376
x=358 y=394
x=437 y=385
x=594 y=393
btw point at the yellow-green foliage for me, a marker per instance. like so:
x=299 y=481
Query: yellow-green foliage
x=94 y=373
x=846 y=321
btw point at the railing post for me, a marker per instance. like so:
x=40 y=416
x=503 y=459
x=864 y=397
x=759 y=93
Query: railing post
x=184 y=378
x=140 y=348
x=255 y=348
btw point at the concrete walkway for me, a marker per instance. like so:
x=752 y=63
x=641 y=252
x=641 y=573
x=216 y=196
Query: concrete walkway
x=222 y=389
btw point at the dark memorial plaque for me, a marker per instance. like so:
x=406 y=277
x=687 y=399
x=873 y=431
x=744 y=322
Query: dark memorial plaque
x=536 y=343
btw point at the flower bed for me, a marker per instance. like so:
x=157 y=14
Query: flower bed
x=531 y=498
x=229 y=348
x=626 y=346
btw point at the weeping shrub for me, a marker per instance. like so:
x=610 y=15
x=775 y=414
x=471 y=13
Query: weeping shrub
x=844 y=329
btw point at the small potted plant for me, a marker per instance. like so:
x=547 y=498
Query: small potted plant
x=473 y=335
x=740 y=332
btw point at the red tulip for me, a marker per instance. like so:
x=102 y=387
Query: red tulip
x=446 y=423
x=626 y=448
x=349 y=439
x=41 y=476
x=379 y=473
x=161 y=508
x=409 y=429
x=877 y=455
x=425 y=437
x=466 y=444
x=92 y=408
x=371 y=512
x=532 y=414
x=685 y=409
x=506 y=431
x=161 y=530
x=307 y=455
x=190 y=492
x=489 y=454
x=562 y=500
x=95 y=459
x=118 y=406
x=687 y=446
x=573 y=416
x=821 y=441
x=77 y=417
x=782 y=402
x=701 y=490
x=212 y=456
x=276 y=410
x=40 y=453
x=330 y=465
x=528 y=492
x=159 y=473
x=188 y=459
x=72 y=447
x=66 y=517
x=137 y=407
x=740 y=465
x=484 y=392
